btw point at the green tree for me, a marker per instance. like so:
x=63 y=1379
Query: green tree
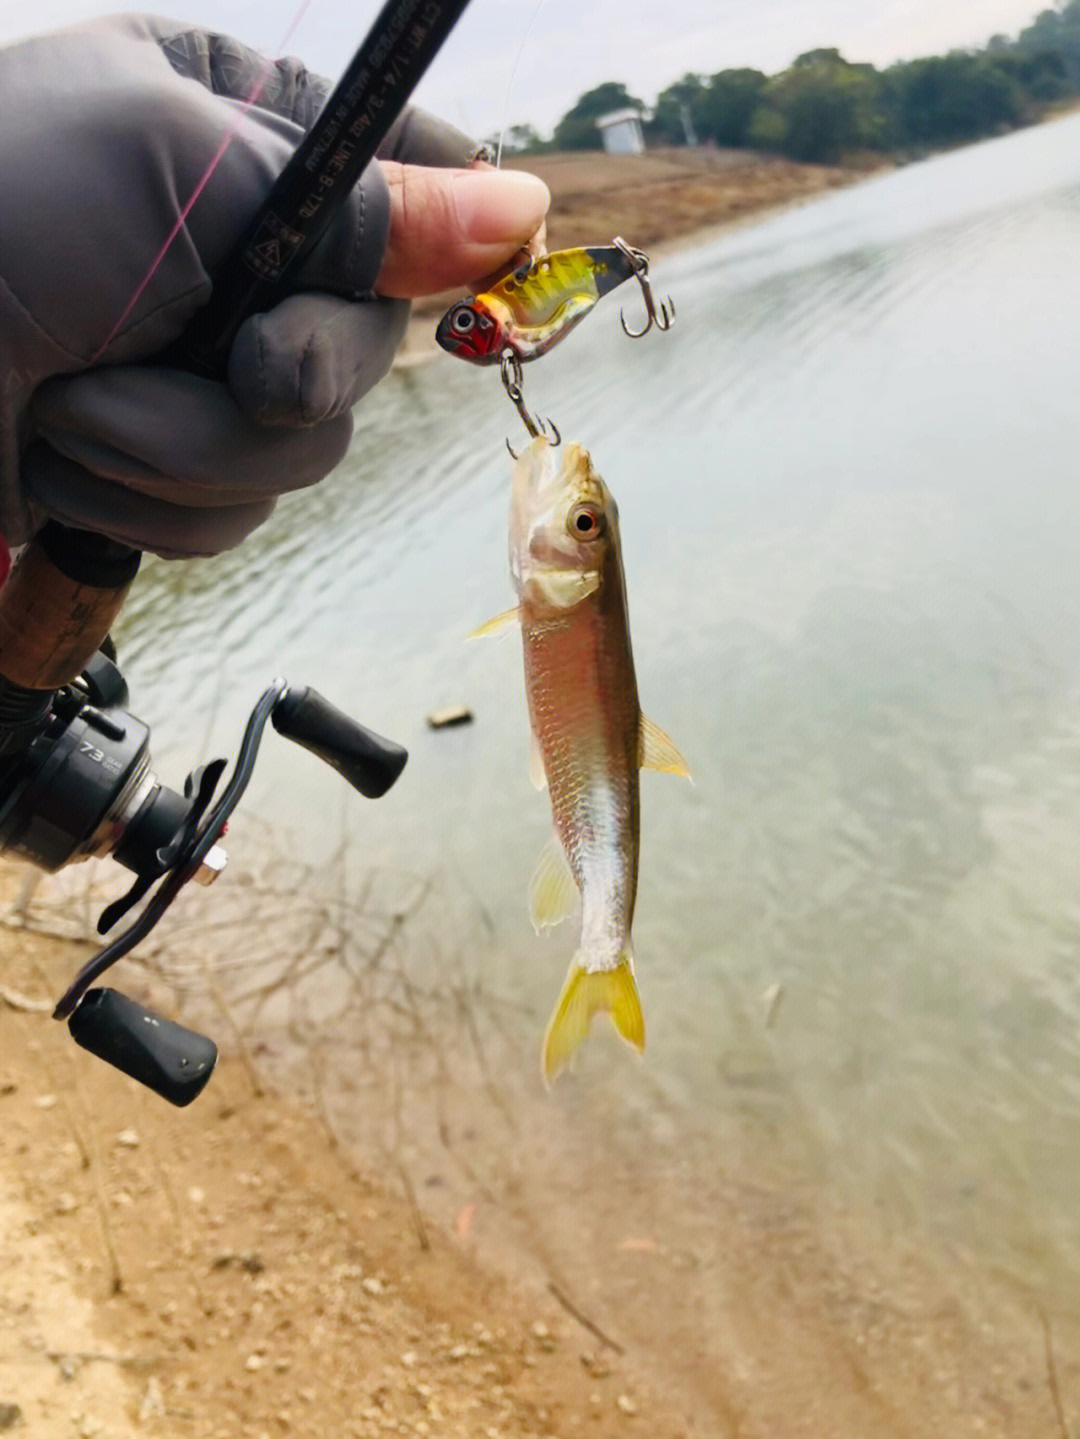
x=1055 y=32
x=577 y=128
x=725 y=107
x=828 y=107
x=521 y=140
x=947 y=99
x=674 y=106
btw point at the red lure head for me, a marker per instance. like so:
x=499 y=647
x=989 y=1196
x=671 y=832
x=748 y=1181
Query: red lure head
x=473 y=331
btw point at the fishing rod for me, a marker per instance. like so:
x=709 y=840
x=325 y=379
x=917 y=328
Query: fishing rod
x=75 y=777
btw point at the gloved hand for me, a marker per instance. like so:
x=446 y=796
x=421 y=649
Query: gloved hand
x=105 y=129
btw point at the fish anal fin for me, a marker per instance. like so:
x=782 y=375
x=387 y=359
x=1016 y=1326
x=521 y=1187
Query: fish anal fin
x=552 y=891
x=657 y=750
x=585 y=993
x=495 y=625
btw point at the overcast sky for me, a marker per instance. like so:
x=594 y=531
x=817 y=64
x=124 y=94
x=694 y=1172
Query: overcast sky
x=527 y=61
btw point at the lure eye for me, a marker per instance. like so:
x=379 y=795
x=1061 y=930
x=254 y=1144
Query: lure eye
x=586 y=522
x=463 y=322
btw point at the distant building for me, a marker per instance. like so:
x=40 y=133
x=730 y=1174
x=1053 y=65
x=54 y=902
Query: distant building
x=620 y=132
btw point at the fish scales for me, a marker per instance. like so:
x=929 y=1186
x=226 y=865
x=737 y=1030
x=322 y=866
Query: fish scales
x=584 y=711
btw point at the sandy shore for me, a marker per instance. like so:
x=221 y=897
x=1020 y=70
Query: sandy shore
x=225 y=1270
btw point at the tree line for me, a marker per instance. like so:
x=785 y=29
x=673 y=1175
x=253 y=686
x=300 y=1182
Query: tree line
x=824 y=108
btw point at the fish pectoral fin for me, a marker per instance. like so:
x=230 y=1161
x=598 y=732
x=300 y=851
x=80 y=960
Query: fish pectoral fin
x=495 y=624
x=537 y=773
x=656 y=750
x=566 y=588
x=552 y=891
x=585 y=993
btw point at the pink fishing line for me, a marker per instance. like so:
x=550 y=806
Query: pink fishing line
x=227 y=139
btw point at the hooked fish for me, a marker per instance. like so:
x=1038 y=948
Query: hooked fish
x=532 y=308
x=589 y=736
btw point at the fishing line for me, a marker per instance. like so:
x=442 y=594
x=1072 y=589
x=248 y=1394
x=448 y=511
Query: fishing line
x=229 y=136
x=510 y=82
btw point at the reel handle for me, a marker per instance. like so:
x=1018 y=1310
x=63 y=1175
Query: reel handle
x=172 y=1061
x=365 y=760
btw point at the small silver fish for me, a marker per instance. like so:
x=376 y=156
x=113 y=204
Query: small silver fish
x=590 y=737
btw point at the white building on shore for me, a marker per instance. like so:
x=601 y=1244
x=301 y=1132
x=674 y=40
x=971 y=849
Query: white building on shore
x=620 y=132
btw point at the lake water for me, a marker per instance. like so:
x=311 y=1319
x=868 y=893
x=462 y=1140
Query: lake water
x=849 y=482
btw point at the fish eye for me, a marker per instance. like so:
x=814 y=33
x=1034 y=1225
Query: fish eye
x=463 y=322
x=586 y=522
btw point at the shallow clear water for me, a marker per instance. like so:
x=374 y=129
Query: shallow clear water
x=850 y=499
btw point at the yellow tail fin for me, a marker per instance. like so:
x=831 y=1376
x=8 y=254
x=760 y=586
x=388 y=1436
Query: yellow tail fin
x=584 y=994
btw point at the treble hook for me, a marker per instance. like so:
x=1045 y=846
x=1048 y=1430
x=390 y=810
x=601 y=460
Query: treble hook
x=510 y=373
x=663 y=317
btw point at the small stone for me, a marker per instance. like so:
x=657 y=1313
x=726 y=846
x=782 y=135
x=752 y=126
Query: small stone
x=127 y=1139
x=45 y=1101
x=625 y=1405
x=409 y=1358
x=196 y=1195
x=545 y=1340
x=371 y=1285
x=152 y=1405
x=254 y=1362
x=66 y=1203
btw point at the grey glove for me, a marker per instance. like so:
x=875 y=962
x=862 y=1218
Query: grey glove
x=105 y=129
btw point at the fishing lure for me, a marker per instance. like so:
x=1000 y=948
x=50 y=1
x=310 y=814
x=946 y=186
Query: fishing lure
x=535 y=306
x=530 y=310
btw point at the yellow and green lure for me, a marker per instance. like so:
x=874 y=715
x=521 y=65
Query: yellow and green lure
x=537 y=304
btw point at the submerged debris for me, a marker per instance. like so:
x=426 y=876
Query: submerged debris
x=450 y=715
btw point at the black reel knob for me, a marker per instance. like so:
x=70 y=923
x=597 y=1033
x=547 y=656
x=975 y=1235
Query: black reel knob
x=164 y=1056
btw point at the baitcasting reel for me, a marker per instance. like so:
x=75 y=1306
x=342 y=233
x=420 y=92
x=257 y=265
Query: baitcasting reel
x=76 y=782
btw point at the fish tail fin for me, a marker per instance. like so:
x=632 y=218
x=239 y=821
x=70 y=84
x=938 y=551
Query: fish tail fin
x=588 y=992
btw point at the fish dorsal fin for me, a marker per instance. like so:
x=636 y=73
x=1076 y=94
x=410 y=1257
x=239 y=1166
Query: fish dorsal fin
x=536 y=765
x=656 y=750
x=552 y=891
x=495 y=624
x=566 y=588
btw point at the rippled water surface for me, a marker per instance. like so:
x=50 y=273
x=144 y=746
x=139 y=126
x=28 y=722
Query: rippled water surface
x=850 y=499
